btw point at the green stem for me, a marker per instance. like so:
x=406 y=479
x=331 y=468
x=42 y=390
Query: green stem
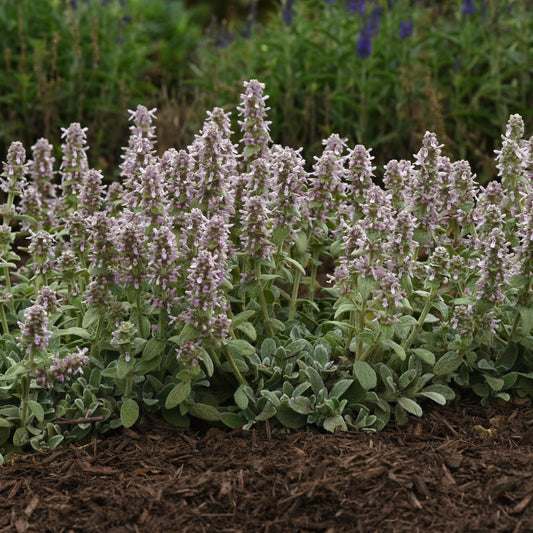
x=262 y=300
x=96 y=340
x=163 y=323
x=421 y=319
x=8 y=287
x=4 y=319
x=215 y=358
x=370 y=348
x=129 y=383
x=294 y=295
x=25 y=392
x=503 y=341
x=314 y=271
x=353 y=330
x=139 y=315
x=515 y=325
x=234 y=367
x=245 y=266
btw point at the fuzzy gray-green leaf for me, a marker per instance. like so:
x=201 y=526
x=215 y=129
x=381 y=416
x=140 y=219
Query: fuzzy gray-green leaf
x=129 y=413
x=178 y=394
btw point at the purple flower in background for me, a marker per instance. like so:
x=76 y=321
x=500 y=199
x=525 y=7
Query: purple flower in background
x=356 y=6
x=360 y=172
x=329 y=1
x=364 y=43
x=379 y=217
x=31 y=202
x=163 y=268
x=149 y=195
x=291 y=185
x=406 y=29
x=251 y=20
x=373 y=23
x=396 y=177
x=206 y=302
x=469 y=7
x=287 y=13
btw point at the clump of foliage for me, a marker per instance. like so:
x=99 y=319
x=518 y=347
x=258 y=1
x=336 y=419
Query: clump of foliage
x=190 y=289
x=382 y=72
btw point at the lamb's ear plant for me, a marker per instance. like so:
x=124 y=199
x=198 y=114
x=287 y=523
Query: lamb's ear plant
x=192 y=289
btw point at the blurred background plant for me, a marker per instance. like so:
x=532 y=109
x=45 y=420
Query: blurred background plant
x=382 y=72
x=87 y=61
x=379 y=72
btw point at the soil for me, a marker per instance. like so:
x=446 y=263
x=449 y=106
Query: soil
x=459 y=468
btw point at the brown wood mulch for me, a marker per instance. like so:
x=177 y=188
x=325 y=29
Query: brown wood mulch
x=459 y=468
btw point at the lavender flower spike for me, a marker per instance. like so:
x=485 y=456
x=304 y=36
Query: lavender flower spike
x=495 y=267
x=34 y=332
x=42 y=167
x=512 y=162
x=15 y=169
x=253 y=112
x=74 y=164
x=141 y=145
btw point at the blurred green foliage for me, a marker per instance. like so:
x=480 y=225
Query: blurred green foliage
x=86 y=61
x=456 y=73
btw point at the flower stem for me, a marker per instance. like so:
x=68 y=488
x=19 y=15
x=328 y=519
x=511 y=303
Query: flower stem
x=421 y=319
x=314 y=271
x=138 y=305
x=370 y=348
x=4 y=319
x=25 y=392
x=96 y=340
x=262 y=300
x=514 y=326
x=8 y=287
x=215 y=358
x=234 y=367
x=294 y=295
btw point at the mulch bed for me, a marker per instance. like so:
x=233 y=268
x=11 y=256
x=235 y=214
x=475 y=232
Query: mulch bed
x=459 y=468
